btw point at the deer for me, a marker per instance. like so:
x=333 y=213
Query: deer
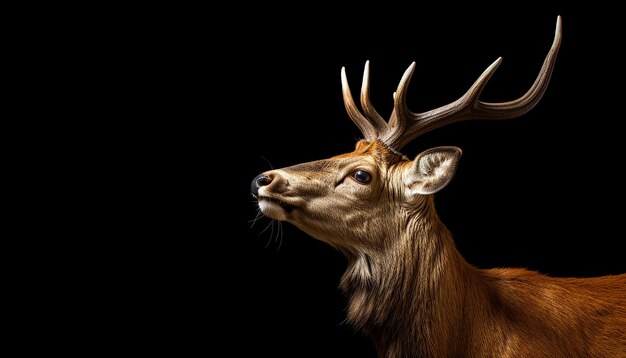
x=408 y=288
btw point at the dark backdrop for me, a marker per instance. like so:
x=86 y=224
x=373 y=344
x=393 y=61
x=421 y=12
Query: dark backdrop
x=262 y=89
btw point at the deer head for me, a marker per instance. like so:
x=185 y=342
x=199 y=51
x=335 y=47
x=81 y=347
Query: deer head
x=364 y=201
x=410 y=289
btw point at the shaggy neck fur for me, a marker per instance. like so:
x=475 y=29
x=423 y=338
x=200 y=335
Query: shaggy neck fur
x=414 y=292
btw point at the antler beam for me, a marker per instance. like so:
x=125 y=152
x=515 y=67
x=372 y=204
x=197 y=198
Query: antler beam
x=404 y=125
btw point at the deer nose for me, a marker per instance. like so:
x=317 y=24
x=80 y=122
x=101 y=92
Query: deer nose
x=261 y=180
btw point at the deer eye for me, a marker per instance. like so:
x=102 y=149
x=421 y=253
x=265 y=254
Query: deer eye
x=362 y=177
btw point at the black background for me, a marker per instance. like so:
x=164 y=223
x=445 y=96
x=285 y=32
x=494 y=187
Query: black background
x=238 y=89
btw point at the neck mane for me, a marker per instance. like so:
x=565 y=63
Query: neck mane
x=413 y=292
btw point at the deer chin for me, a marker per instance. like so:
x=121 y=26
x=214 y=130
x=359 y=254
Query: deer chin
x=274 y=208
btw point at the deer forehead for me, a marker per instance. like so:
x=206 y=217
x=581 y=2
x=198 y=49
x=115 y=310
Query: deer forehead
x=373 y=156
x=376 y=150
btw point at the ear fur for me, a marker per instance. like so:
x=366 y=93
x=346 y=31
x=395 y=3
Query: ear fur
x=432 y=170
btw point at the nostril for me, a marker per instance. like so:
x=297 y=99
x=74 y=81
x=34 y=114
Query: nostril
x=263 y=181
x=260 y=181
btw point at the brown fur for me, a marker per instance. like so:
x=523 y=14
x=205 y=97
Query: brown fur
x=412 y=292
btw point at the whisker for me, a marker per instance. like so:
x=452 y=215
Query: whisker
x=257 y=217
x=278 y=227
x=271 y=235
x=281 y=234
x=268 y=162
x=267 y=227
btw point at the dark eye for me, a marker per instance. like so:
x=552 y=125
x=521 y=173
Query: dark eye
x=362 y=176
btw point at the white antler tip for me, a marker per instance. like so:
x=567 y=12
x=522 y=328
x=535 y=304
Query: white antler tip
x=494 y=65
x=344 y=81
x=366 y=79
x=410 y=69
x=557 y=33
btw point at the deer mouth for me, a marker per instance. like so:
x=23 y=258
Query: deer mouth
x=282 y=204
x=274 y=208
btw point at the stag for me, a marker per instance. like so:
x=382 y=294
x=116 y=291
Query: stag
x=409 y=288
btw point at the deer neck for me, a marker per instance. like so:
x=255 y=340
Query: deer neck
x=414 y=290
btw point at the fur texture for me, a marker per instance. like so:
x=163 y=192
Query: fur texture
x=409 y=288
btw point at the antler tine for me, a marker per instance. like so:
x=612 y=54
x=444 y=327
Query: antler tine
x=525 y=103
x=367 y=128
x=468 y=106
x=444 y=115
x=377 y=121
x=401 y=115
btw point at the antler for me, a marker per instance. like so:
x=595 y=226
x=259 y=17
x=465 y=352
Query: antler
x=405 y=125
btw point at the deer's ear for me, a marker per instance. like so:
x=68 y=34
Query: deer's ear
x=432 y=170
